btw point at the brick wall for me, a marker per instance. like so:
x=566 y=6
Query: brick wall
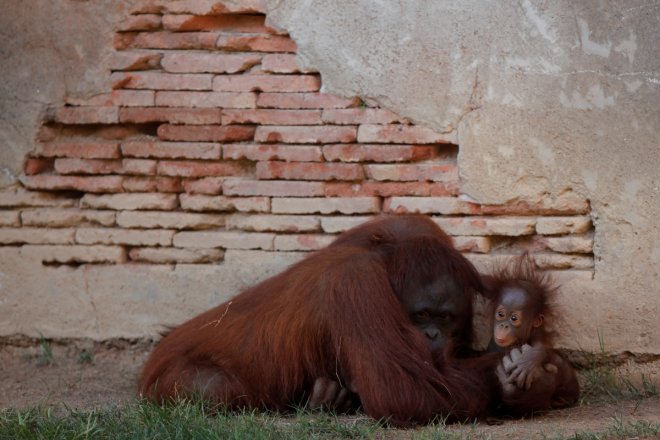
x=214 y=138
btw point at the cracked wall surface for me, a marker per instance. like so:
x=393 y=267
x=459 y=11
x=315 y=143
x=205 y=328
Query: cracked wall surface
x=545 y=99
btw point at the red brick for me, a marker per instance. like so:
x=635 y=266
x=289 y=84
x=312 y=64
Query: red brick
x=261 y=152
x=377 y=153
x=282 y=63
x=302 y=242
x=18 y=197
x=205 y=185
x=85 y=150
x=77 y=183
x=242 y=204
x=352 y=116
x=135 y=61
x=309 y=171
x=37 y=165
x=87 y=115
x=304 y=100
x=133 y=98
x=238 y=187
x=161 y=81
x=142 y=22
x=152 y=184
x=480 y=226
x=266 y=83
x=401 y=134
x=325 y=205
x=472 y=244
x=136 y=201
x=417 y=172
x=206 y=99
x=192 y=116
x=305 y=135
x=87 y=166
x=165 y=40
x=204 y=133
x=201 y=169
x=256 y=43
x=182 y=62
x=389 y=189
x=272 y=117
x=430 y=205
x=138 y=166
x=214 y=7
x=100 y=100
x=147 y=7
x=227 y=23
x=171 y=150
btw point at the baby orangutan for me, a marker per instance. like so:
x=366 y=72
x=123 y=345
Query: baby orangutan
x=521 y=309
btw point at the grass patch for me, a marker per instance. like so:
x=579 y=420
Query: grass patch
x=45 y=352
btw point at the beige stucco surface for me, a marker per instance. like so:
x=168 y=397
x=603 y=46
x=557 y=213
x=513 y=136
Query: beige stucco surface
x=543 y=97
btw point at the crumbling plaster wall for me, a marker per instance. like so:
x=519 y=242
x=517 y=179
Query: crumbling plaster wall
x=544 y=96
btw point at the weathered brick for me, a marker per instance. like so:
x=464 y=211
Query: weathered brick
x=224 y=239
x=36 y=236
x=87 y=166
x=135 y=60
x=239 y=187
x=174 y=115
x=83 y=150
x=272 y=117
x=267 y=83
x=322 y=205
x=152 y=184
x=139 y=167
x=10 y=218
x=389 y=189
x=305 y=135
x=572 y=244
x=333 y=225
x=261 y=152
x=302 y=242
x=309 y=171
x=161 y=81
x=566 y=203
x=17 y=197
x=506 y=226
x=362 y=115
x=168 y=220
x=206 y=99
x=147 y=201
x=304 y=101
x=256 y=43
x=98 y=100
x=563 y=225
x=430 y=205
x=133 y=98
x=34 y=165
x=214 y=7
x=91 y=184
x=174 y=255
x=434 y=172
x=142 y=22
x=273 y=223
x=165 y=40
x=183 y=62
x=282 y=63
x=131 y=237
x=402 y=134
x=172 y=150
x=202 y=168
x=86 y=115
x=562 y=261
x=75 y=254
x=221 y=203
x=206 y=133
x=60 y=218
x=227 y=23
x=205 y=185
x=472 y=244
x=377 y=153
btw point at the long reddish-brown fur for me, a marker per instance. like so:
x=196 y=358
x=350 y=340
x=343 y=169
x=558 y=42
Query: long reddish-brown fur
x=334 y=314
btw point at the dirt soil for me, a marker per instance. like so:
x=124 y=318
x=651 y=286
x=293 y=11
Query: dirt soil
x=108 y=376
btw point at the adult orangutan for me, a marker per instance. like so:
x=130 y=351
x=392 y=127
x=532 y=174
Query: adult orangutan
x=367 y=311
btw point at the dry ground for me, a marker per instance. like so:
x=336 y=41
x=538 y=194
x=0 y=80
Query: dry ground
x=108 y=376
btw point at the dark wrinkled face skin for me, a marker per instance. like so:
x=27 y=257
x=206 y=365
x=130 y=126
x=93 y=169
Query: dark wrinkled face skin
x=440 y=310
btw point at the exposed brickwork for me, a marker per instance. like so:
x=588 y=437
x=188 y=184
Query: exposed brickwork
x=213 y=137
